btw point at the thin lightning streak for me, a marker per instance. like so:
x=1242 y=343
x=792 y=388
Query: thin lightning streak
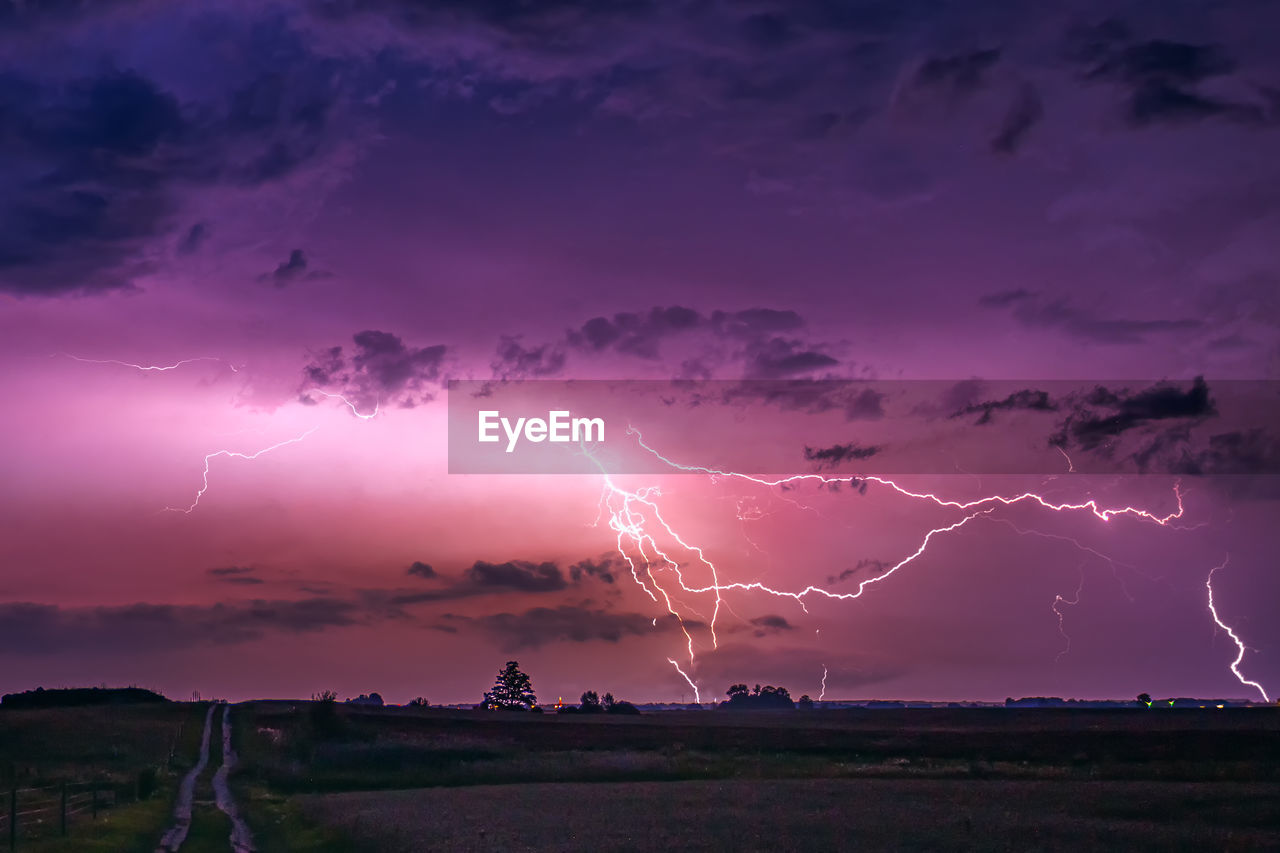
x=823 y=691
x=204 y=487
x=697 y=697
x=1062 y=630
x=1240 y=646
x=148 y=368
x=1071 y=466
x=1091 y=505
x=352 y=405
x=1085 y=548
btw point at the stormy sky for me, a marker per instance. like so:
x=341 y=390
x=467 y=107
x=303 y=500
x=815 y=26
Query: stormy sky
x=245 y=246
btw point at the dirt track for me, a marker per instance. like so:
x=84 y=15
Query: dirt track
x=177 y=834
x=241 y=840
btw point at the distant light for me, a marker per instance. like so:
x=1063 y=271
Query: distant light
x=1222 y=706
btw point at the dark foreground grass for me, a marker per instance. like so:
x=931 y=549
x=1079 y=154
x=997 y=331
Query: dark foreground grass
x=985 y=779
x=864 y=814
x=363 y=749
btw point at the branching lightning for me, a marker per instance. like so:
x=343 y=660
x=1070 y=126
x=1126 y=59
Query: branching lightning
x=204 y=486
x=638 y=522
x=1240 y=646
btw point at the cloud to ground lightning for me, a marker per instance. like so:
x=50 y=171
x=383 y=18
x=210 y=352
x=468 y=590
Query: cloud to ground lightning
x=641 y=528
x=1240 y=646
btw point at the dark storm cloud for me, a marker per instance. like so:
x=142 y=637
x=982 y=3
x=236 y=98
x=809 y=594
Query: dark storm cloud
x=771 y=623
x=381 y=370
x=635 y=334
x=1160 y=76
x=23 y=16
x=957 y=75
x=783 y=358
x=421 y=569
x=1252 y=451
x=1023 y=114
x=854 y=399
x=236 y=575
x=31 y=628
x=292 y=269
x=540 y=626
x=1026 y=399
x=1038 y=311
x=750 y=337
x=516 y=361
x=605 y=567
x=836 y=454
x=519 y=575
x=512 y=576
x=194 y=238
x=1104 y=414
x=95 y=168
x=82 y=171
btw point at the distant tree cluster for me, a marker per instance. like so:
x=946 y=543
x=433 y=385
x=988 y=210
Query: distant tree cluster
x=592 y=703
x=65 y=697
x=373 y=699
x=758 y=699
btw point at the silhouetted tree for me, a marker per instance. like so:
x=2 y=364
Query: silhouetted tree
x=591 y=703
x=607 y=701
x=806 y=704
x=323 y=713
x=623 y=707
x=1144 y=699
x=512 y=690
x=760 y=698
x=419 y=702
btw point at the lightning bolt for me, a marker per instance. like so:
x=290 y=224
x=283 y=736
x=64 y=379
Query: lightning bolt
x=148 y=368
x=637 y=520
x=352 y=406
x=204 y=487
x=697 y=697
x=823 y=691
x=1062 y=629
x=1240 y=646
x=1091 y=505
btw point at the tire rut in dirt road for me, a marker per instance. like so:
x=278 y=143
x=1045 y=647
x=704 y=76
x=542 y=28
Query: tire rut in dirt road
x=176 y=834
x=241 y=837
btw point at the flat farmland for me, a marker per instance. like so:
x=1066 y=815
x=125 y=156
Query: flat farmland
x=813 y=814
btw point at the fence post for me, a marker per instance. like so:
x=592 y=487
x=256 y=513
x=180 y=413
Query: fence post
x=13 y=818
x=63 y=821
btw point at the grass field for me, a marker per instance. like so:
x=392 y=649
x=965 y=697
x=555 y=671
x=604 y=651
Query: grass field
x=814 y=814
x=324 y=779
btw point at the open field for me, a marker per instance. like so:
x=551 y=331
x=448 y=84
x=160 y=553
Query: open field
x=410 y=748
x=322 y=778
x=815 y=814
